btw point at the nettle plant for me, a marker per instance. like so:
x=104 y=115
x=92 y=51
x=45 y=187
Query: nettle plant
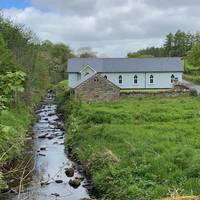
x=10 y=84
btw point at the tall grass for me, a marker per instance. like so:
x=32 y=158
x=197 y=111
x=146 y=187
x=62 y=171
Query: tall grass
x=141 y=148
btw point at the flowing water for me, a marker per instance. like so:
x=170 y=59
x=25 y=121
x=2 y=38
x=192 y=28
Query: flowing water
x=50 y=161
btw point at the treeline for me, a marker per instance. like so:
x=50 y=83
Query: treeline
x=27 y=65
x=175 y=45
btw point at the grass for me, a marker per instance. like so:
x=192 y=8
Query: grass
x=14 y=126
x=146 y=90
x=192 y=78
x=138 y=148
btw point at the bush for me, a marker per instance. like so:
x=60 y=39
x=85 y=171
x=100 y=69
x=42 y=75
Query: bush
x=194 y=93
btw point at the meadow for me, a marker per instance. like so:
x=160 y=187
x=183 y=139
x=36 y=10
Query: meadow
x=138 y=148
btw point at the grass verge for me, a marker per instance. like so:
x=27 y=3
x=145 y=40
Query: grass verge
x=192 y=78
x=138 y=148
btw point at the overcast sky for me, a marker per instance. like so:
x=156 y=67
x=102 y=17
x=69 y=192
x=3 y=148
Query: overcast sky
x=110 y=27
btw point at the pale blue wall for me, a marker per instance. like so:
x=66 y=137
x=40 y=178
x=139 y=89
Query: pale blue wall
x=161 y=80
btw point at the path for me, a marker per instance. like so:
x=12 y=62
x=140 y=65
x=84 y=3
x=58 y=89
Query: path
x=192 y=86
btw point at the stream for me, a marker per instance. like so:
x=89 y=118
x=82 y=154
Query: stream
x=49 y=180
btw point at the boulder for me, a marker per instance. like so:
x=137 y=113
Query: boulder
x=81 y=178
x=55 y=194
x=43 y=136
x=40 y=154
x=75 y=183
x=59 y=181
x=69 y=172
x=43 y=149
x=50 y=137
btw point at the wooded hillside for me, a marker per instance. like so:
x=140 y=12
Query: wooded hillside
x=175 y=45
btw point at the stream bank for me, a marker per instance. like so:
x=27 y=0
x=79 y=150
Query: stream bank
x=50 y=178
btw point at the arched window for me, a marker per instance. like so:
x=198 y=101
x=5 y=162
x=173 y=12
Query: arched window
x=172 y=78
x=120 y=79
x=96 y=79
x=135 y=79
x=151 y=79
x=105 y=77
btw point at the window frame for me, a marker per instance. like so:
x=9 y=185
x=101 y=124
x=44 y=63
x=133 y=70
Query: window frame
x=172 y=78
x=135 y=79
x=151 y=79
x=120 y=79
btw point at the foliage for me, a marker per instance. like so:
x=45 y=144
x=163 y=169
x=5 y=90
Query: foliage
x=13 y=128
x=10 y=83
x=175 y=45
x=193 y=56
x=138 y=55
x=135 y=150
x=58 y=55
x=62 y=92
x=28 y=67
x=86 y=52
x=192 y=78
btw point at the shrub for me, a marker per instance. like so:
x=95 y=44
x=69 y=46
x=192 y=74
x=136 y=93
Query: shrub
x=193 y=92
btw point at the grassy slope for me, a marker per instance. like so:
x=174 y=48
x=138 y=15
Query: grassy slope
x=14 y=125
x=139 y=148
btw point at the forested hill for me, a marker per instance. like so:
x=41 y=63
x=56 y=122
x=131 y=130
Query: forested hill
x=175 y=45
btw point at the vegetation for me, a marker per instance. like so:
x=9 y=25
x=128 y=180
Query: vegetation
x=193 y=56
x=175 y=45
x=86 y=52
x=28 y=67
x=135 y=150
x=146 y=90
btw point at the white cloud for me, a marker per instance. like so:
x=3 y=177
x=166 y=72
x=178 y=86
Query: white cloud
x=111 y=27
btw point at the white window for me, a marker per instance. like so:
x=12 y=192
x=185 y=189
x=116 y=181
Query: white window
x=135 y=79
x=151 y=79
x=120 y=79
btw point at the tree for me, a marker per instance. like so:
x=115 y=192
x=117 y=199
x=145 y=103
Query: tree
x=193 y=56
x=138 y=55
x=169 y=44
x=10 y=84
x=86 y=52
x=6 y=58
x=175 y=45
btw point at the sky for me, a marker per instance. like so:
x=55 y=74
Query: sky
x=110 y=27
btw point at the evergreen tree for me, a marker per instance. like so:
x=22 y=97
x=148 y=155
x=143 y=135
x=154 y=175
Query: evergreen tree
x=169 y=44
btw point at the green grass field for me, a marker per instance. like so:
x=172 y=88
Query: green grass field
x=139 y=148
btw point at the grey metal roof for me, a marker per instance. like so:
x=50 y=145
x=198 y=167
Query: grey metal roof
x=167 y=64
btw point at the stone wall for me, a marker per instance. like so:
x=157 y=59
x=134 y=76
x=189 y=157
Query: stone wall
x=97 y=88
x=169 y=93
